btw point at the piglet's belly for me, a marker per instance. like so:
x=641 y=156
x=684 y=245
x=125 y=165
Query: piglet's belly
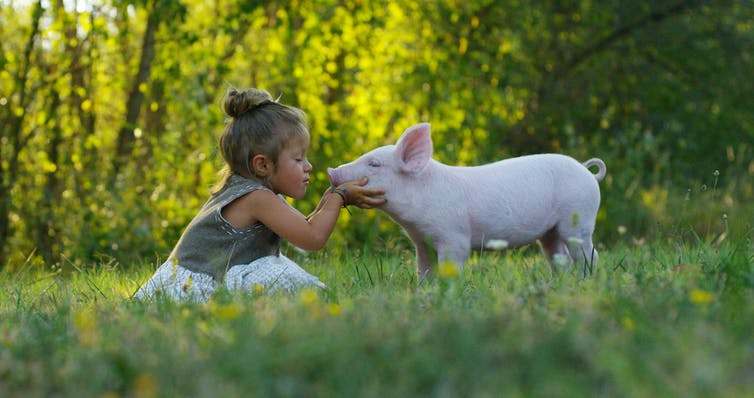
x=514 y=232
x=508 y=241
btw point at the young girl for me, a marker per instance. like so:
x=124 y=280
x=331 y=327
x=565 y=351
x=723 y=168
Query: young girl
x=235 y=239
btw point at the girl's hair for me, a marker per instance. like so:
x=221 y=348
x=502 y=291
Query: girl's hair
x=256 y=125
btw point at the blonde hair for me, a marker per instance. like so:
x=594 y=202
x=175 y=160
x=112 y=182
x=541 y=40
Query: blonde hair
x=256 y=125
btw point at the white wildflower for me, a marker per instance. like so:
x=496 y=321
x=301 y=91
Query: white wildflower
x=575 y=241
x=560 y=260
x=496 y=244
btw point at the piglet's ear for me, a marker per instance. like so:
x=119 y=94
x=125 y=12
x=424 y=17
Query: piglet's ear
x=414 y=148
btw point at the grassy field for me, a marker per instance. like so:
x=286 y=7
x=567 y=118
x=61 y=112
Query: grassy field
x=669 y=319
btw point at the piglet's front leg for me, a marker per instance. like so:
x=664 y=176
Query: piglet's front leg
x=423 y=257
x=453 y=249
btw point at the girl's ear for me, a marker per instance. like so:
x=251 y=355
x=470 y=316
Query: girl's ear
x=261 y=166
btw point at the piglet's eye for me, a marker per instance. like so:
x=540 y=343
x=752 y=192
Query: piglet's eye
x=374 y=163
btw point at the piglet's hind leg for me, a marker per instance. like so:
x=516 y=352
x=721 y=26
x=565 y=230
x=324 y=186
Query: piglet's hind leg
x=555 y=250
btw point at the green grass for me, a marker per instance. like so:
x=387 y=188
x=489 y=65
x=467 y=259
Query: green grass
x=669 y=319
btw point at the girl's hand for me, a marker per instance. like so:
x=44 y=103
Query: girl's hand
x=357 y=195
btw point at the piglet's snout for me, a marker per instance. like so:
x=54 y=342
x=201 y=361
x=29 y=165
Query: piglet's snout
x=333 y=175
x=343 y=174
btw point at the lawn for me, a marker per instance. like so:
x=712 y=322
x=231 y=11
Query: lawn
x=664 y=319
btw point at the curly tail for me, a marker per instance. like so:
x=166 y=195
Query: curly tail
x=600 y=165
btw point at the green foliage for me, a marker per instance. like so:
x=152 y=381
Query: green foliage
x=654 y=320
x=109 y=134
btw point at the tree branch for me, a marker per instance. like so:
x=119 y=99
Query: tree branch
x=620 y=33
x=565 y=68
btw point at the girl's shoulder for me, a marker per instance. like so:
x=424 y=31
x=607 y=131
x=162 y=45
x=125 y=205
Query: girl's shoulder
x=238 y=185
x=235 y=187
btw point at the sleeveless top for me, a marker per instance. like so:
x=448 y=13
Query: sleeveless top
x=211 y=245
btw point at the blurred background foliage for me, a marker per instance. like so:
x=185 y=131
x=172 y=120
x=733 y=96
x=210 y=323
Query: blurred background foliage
x=109 y=110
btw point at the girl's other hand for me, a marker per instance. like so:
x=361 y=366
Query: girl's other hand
x=358 y=195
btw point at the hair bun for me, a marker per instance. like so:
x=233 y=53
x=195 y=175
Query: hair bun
x=239 y=102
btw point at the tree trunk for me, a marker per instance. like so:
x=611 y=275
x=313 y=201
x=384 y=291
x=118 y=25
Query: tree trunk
x=126 y=138
x=45 y=227
x=154 y=123
x=12 y=131
x=80 y=73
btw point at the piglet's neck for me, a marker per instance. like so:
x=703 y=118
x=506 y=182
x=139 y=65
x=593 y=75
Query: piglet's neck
x=414 y=192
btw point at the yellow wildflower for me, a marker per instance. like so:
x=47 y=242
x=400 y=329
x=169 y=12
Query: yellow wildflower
x=145 y=385
x=173 y=267
x=228 y=311
x=188 y=284
x=334 y=309
x=308 y=296
x=628 y=323
x=85 y=326
x=701 y=297
x=448 y=270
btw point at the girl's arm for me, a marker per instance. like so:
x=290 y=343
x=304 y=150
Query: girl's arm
x=309 y=233
x=321 y=202
x=362 y=198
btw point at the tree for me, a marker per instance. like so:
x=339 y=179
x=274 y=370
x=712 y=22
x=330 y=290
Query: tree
x=660 y=90
x=12 y=125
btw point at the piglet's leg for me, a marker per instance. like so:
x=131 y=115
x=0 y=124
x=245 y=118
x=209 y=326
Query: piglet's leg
x=423 y=258
x=423 y=261
x=584 y=254
x=555 y=250
x=577 y=235
x=453 y=250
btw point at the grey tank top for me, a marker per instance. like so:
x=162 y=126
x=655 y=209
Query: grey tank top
x=211 y=245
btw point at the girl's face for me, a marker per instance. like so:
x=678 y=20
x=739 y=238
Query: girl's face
x=292 y=169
